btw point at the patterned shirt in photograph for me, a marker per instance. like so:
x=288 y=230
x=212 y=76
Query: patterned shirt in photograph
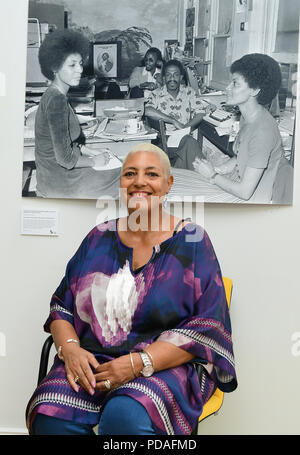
x=183 y=108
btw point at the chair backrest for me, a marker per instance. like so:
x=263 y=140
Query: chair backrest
x=228 y=289
x=282 y=192
x=216 y=400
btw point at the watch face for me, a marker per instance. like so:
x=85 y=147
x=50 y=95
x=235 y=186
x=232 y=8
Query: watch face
x=147 y=371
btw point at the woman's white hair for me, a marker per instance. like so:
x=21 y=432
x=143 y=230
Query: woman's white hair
x=148 y=147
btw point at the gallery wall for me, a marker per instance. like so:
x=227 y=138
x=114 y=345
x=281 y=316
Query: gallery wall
x=257 y=246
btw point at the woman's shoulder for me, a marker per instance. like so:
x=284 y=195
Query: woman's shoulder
x=189 y=232
x=266 y=118
x=100 y=229
x=54 y=99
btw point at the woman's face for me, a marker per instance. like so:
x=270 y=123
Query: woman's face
x=69 y=73
x=145 y=181
x=150 y=61
x=238 y=91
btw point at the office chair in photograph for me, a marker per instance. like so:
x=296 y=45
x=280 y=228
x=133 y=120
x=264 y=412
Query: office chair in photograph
x=159 y=126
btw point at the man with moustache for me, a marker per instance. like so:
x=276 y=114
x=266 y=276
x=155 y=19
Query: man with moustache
x=179 y=106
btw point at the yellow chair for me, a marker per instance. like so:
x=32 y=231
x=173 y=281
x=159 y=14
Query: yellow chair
x=215 y=402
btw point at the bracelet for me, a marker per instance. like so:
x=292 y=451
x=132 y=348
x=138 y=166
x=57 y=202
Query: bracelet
x=132 y=365
x=150 y=356
x=69 y=340
x=72 y=340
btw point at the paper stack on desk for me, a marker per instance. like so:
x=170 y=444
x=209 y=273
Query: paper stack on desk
x=176 y=136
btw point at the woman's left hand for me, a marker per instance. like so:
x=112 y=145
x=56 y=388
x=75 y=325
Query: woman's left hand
x=117 y=371
x=204 y=168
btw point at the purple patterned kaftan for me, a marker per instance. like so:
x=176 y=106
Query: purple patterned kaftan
x=178 y=297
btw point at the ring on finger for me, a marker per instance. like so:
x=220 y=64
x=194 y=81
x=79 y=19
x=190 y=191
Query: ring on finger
x=76 y=379
x=107 y=384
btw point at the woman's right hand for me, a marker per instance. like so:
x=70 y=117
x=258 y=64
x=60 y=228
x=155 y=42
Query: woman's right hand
x=78 y=363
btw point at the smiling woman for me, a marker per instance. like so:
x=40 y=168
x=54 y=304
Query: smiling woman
x=137 y=306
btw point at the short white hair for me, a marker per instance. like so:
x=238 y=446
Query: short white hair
x=148 y=147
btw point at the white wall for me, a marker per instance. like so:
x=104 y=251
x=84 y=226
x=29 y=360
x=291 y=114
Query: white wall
x=257 y=246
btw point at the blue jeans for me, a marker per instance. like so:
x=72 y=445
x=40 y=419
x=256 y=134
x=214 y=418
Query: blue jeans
x=121 y=415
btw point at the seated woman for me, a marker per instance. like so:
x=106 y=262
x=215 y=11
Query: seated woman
x=63 y=164
x=147 y=77
x=141 y=300
x=256 y=79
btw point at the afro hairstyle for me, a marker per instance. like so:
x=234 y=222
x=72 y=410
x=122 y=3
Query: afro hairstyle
x=259 y=71
x=57 y=46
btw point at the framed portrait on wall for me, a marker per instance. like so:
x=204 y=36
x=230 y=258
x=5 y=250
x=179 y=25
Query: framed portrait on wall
x=106 y=59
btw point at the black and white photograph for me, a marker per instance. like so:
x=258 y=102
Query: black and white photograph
x=105 y=59
x=223 y=107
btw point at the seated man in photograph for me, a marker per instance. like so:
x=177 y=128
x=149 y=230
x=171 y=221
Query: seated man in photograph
x=179 y=106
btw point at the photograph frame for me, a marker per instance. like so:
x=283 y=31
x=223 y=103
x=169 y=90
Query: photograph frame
x=209 y=71
x=109 y=67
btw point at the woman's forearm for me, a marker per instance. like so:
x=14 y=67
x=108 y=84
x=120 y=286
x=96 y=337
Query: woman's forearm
x=243 y=189
x=61 y=331
x=166 y=355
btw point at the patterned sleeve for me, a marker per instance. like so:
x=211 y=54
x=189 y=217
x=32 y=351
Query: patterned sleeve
x=196 y=103
x=207 y=333
x=62 y=302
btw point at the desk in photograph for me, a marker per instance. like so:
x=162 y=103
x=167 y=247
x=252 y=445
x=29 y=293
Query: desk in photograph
x=118 y=147
x=189 y=184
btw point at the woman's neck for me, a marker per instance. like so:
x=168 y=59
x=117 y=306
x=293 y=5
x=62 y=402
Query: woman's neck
x=148 y=227
x=250 y=111
x=63 y=88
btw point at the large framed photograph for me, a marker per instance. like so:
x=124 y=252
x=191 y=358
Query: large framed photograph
x=101 y=114
x=106 y=59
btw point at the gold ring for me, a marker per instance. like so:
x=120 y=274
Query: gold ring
x=76 y=379
x=107 y=384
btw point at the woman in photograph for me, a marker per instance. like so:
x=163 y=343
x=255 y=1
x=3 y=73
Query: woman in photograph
x=64 y=165
x=147 y=77
x=142 y=300
x=251 y=173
